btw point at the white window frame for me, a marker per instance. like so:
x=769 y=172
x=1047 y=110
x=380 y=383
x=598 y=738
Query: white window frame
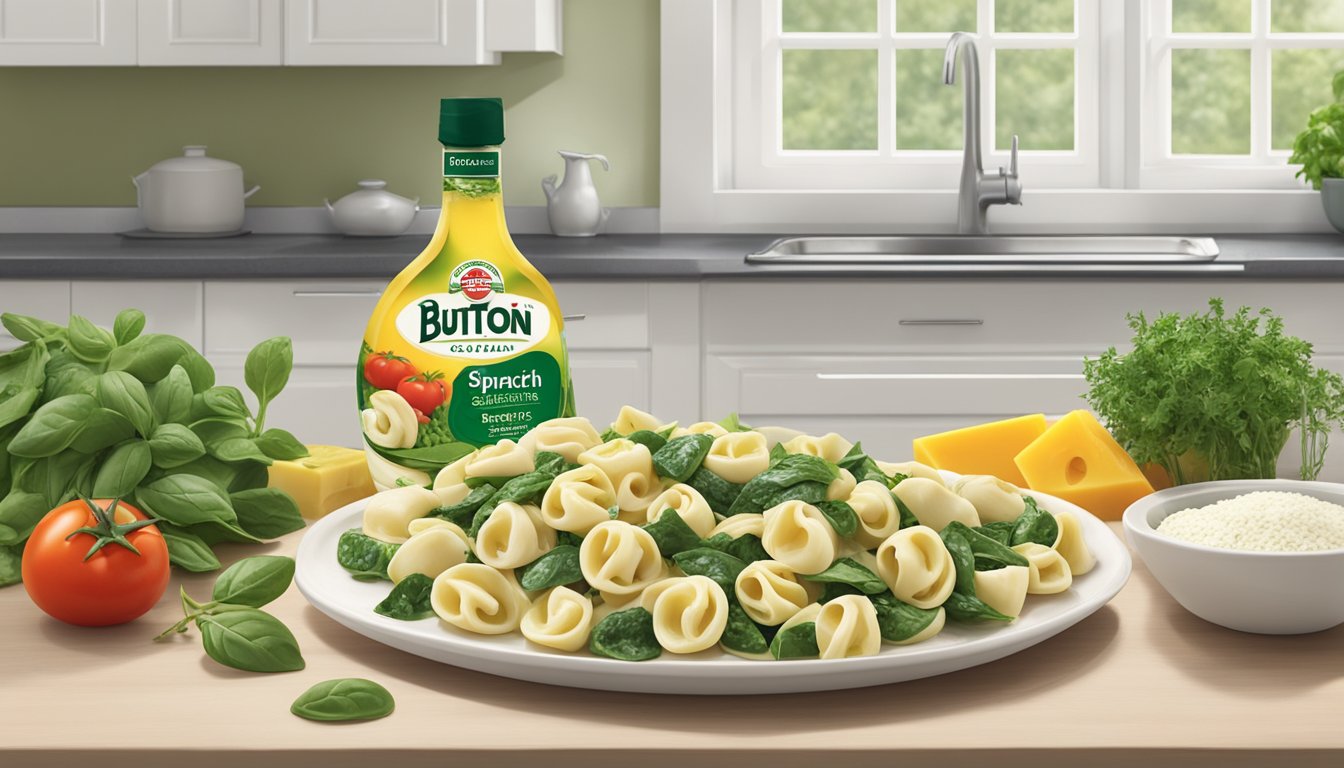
x=699 y=191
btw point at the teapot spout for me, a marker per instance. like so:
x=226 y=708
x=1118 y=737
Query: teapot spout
x=548 y=186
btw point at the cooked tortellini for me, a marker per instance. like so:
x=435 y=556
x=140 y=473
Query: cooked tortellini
x=386 y=475
x=1049 y=571
x=619 y=558
x=389 y=513
x=420 y=525
x=799 y=536
x=503 y=459
x=829 y=446
x=841 y=487
x=1071 y=544
x=995 y=501
x=430 y=550
x=934 y=504
x=477 y=598
x=1004 y=589
x=771 y=593
x=738 y=526
x=689 y=505
x=561 y=619
x=454 y=474
x=917 y=567
x=911 y=469
x=513 y=536
x=631 y=420
x=578 y=499
x=738 y=456
x=847 y=626
x=701 y=428
x=879 y=517
x=566 y=436
x=629 y=467
x=689 y=613
x=390 y=421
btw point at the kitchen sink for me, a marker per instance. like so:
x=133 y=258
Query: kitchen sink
x=1027 y=249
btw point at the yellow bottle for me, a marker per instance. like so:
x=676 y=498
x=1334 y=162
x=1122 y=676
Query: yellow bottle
x=466 y=347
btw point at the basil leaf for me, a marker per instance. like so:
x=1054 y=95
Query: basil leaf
x=239 y=449
x=10 y=565
x=185 y=500
x=964 y=607
x=840 y=515
x=25 y=328
x=409 y=599
x=556 y=567
x=363 y=556
x=796 y=642
x=989 y=554
x=172 y=445
x=681 y=456
x=254 y=581
x=720 y=567
x=898 y=621
x=281 y=445
x=122 y=393
x=351 y=698
x=733 y=424
x=17 y=403
x=211 y=469
x=226 y=401
x=719 y=493
x=128 y=325
x=214 y=431
x=150 y=357
x=199 y=370
x=188 y=551
x=89 y=342
x=20 y=512
x=626 y=635
x=104 y=428
x=250 y=640
x=123 y=470
x=171 y=397
x=741 y=633
x=672 y=535
x=266 y=512
x=1034 y=525
x=267 y=369
x=849 y=571
x=53 y=427
x=249 y=476
x=462 y=512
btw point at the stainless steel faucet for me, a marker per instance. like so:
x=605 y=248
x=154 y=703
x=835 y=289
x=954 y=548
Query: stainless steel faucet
x=979 y=190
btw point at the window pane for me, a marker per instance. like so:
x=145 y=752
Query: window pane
x=928 y=113
x=830 y=16
x=1034 y=92
x=1306 y=16
x=1301 y=82
x=1033 y=15
x=1210 y=102
x=1211 y=15
x=830 y=99
x=935 y=16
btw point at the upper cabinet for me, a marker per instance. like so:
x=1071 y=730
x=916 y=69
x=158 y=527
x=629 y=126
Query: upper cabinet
x=274 y=32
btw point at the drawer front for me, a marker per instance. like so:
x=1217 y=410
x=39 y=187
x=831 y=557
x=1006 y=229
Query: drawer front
x=605 y=381
x=611 y=315
x=175 y=307
x=326 y=318
x=45 y=299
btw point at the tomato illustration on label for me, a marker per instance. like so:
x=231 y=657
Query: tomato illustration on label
x=424 y=391
x=385 y=370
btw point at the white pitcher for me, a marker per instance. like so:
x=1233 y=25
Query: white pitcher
x=573 y=207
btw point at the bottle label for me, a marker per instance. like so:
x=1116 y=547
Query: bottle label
x=475 y=318
x=458 y=163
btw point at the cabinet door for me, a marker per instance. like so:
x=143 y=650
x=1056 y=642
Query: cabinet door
x=170 y=306
x=210 y=32
x=317 y=405
x=373 y=32
x=45 y=299
x=67 y=33
x=605 y=381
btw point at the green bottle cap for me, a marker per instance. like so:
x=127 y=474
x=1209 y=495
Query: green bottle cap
x=471 y=122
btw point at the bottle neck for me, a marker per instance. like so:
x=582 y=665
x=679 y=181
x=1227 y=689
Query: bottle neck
x=473 y=201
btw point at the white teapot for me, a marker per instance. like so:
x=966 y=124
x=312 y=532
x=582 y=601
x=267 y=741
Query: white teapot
x=372 y=211
x=192 y=194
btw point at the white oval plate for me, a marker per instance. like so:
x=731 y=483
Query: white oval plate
x=331 y=590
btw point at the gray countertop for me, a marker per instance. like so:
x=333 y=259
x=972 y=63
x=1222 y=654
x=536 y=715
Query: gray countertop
x=690 y=257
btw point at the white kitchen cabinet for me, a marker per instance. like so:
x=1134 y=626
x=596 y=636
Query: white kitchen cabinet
x=46 y=299
x=210 y=32
x=67 y=32
x=176 y=307
x=523 y=25
x=386 y=32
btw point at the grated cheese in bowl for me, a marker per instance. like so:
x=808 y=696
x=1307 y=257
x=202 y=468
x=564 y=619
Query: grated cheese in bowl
x=1262 y=521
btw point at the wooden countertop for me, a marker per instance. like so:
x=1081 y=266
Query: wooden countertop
x=1139 y=681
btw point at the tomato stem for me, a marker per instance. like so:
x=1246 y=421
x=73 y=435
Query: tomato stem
x=106 y=530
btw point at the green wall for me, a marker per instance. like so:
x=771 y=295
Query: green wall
x=74 y=136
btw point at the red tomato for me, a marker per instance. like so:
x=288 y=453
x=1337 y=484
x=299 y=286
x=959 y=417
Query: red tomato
x=385 y=370
x=90 y=577
x=424 y=391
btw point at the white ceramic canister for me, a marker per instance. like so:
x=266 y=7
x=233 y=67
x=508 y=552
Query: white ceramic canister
x=192 y=194
x=372 y=211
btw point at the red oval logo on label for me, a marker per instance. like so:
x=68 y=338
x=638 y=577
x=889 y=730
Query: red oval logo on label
x=476 y=283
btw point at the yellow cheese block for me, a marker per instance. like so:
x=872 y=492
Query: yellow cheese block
x=984 y=449
x=1078 y=460
x=326 y=480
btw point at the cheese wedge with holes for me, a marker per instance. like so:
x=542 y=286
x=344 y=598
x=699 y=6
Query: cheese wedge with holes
x=328 y=478
x=1078 y=461
x=984 y=449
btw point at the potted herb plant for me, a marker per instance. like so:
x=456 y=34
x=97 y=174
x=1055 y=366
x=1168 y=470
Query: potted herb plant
x=1320 y=151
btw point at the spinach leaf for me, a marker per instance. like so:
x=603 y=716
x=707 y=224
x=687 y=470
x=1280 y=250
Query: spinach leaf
x=351 y=698
x=962 y=558
x=11 y=558
x=25 y=328
x=185 y=500
x=989 y=554
x=908 y=519
x=247 y=477
x=266 y=371
x=546 y=461
x=796 y=642
x=280 y=445
x=122 y=470
x=741 y=633
x=841 y=516
x=104 y=428
x=150 y=357
x=170 y=398
x=364 y=557
x=777 y=454
x=747 y=548
x=227 y=402
x=1034 y=525
x=651 y=440
x=833 y=589
x=127 y=325
x=626 y=635
x=20 y=511
x=427 y=459
x=848 y=571
x=54 y=426
x=719 y=493
x=172 y=445
x=556 y=567
x=733 y=424
x=672 y=535
x=1000 y=531
x=863 y=467
x=462 y=512
x=188 y=551
x=239 y=449
x=964 y=607
x=250 y=640
x=122 y=393
x=408 y=600
x=563 y=538
x=523 y=489
x=254 y=581
x=681 y=456
x=898 y=621
x=720 y=567
x=268 y=513
x=808 y=492
x=790 y=471
x=89 y=342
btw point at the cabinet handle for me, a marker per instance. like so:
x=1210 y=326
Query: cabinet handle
x=575 y=318
x=371 y=293
x=938 y=321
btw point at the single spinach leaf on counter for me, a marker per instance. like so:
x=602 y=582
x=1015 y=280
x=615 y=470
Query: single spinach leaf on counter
x=1001 y=531
x=651 y=440
x=719 y=493
x=350 y=698
x=254 y=581
x=841 y=516
x=1034 y=525
x=747 y=547
x=796 y=642
x=462 y=512
x=848 y=571
x=188 y=551
x=409 y=599
x=251 y=640
x=898 y=621
x=546 y=461
x=682 y=456
x=720 y=567
x=781 y=482
x=268 y=513
x=556 y=567
x=964 y=607
x=741 y=633
x=54 y=426
x=363 y=556
x=672 y=535
x=626 y=635
x=122 y=470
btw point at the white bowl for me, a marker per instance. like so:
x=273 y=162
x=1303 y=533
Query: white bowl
x=1273 y=593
